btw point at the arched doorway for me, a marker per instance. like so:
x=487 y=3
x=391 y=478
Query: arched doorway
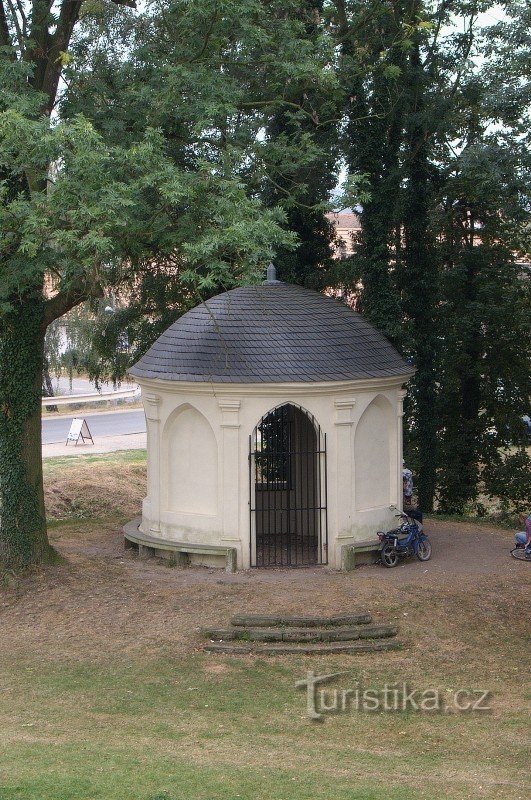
x=287 y=464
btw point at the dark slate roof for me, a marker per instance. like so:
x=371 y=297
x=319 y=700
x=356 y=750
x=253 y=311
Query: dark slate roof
x=272 y=333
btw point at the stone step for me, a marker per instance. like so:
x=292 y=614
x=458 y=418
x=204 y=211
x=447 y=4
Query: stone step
x=332 y=634
x=295 y=621
x=322 y=648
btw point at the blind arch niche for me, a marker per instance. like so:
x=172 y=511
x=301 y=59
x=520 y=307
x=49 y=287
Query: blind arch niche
x=192 y=463
x=373 y=455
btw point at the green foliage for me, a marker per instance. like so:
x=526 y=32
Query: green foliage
x=481 y=216
x=190 y=143
x=211 y=83
x=147 y=180
x=440 y=138
x=374 y=54
x=506 y=477
x=302 y=186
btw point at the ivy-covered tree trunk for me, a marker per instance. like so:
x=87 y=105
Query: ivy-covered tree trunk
x=470 y=377
x=481 y=395
x=23 y=537
x=42 y=38
x=420 y=286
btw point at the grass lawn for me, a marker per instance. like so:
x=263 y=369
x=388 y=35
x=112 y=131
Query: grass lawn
x=200 y=727
x=105 y=693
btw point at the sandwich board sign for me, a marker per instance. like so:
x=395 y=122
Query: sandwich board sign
x=79 y=430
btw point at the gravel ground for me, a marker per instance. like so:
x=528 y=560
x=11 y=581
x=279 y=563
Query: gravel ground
x=105 y=599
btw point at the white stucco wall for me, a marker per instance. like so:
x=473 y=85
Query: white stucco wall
x=198 y=457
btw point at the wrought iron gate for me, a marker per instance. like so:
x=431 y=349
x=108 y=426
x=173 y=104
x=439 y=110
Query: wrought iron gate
x=287 y=478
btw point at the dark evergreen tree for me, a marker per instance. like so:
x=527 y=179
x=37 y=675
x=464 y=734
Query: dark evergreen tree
x=485 y=301
x=418 y=274
x=415 y=124
x=371 y=40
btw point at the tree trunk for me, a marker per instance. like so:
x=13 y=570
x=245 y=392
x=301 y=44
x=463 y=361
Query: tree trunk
x=374 y=131
x=379 y=302
x=470 y=380
x=420 y=287
x=47 y=386
x=23 y=536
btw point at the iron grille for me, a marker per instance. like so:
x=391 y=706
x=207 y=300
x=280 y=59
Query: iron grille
x=287 y=478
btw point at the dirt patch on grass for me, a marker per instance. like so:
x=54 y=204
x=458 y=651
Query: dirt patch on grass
x=83 y=491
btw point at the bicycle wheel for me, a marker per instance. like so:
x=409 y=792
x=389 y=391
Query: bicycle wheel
x=519 y=554
x=389 y=556
x=424 y=550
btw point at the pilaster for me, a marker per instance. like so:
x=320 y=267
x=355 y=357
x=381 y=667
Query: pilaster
x=152 y=412
x=400 y=446
x=344 y=422
x=230 y=469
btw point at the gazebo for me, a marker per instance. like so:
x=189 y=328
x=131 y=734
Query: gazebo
x=274 y=431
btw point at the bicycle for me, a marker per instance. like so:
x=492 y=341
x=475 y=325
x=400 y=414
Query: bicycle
x=519 y=552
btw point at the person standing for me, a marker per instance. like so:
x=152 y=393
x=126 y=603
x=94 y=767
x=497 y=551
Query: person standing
x=407 y=483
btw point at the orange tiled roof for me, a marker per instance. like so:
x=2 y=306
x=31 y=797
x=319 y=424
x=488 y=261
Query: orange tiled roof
x=345 y=220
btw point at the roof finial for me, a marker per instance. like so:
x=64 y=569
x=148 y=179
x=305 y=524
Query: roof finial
x=271 y=274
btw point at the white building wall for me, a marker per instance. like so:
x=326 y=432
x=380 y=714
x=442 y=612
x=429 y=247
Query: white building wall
x=198 y=457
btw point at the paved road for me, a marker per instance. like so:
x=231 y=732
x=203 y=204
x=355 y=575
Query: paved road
x=84 y=386
x=115 y=423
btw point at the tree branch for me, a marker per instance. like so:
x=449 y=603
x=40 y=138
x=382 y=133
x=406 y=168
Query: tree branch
x=24 y=19
x=79 y=290
x=464 y=59
x=347 y=30
x=16 y=23
x=207 y=37
x=443 y=8
x=255 y=104
x=5 y=36
x=58 y=43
